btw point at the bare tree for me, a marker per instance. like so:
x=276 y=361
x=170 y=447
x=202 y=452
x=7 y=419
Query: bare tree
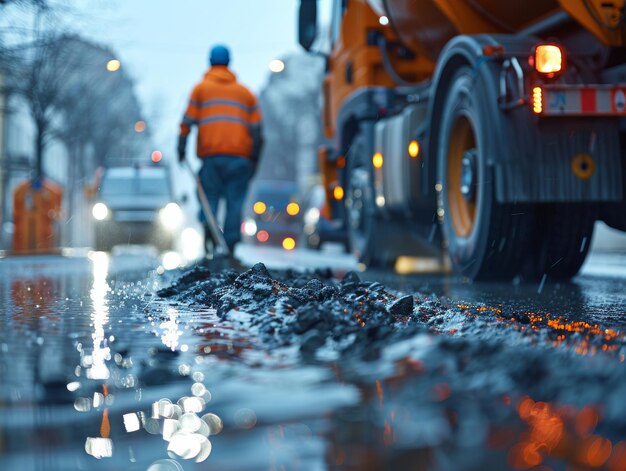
x=99 y=107
x=114 y=136
x=291 y=121
x=39 y=72
x=70 y=95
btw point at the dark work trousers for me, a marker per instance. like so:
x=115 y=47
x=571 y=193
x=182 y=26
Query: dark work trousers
x=226 y=177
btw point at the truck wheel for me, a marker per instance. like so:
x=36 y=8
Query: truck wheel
x=560 y=248
x=360 y=214
x=485 y=239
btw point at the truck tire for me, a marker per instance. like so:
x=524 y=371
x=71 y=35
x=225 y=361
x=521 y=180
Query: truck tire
x=360 y=213
x=485 y=239
x=560 y=247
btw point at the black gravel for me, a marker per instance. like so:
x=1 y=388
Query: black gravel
x=310 y=309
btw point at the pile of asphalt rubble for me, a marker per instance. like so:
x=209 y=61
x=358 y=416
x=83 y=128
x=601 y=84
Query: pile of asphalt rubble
x=478 y=352
x=353 y=317
x=307 y=309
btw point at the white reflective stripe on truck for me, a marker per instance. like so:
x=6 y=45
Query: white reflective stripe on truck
x=594 y=100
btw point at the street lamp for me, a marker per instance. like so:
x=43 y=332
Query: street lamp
x=113 y=65
x=277 y=66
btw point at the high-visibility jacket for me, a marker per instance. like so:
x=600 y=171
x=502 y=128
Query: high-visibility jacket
x=225 y=112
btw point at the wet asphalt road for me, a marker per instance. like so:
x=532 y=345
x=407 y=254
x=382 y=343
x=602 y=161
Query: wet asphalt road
x=97 y=372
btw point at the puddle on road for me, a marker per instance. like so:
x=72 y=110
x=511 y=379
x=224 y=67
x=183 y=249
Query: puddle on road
x=99 y=374
x=94 y=356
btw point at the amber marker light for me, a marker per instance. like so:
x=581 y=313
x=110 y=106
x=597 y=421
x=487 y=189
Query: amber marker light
x=293 y=209
x=549 y=60
x=414 y=149
x=259 y=207
x=289 y=243
x=377 y=160
x=338 y=193
x=537 y=100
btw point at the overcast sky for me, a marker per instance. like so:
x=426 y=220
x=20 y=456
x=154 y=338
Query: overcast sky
x=163 y=45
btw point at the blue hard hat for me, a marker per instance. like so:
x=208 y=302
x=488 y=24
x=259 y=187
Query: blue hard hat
x=220 y=55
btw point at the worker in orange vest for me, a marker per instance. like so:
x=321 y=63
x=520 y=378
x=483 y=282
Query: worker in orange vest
x=229 y=139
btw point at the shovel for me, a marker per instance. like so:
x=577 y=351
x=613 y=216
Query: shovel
x=215 y=233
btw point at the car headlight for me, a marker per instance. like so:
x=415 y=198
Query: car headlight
x=100 y=211
x=249 y=227
x=312 y=216
x=171 y=216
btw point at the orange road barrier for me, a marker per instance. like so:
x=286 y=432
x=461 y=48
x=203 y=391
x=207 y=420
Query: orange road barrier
x=36 y=209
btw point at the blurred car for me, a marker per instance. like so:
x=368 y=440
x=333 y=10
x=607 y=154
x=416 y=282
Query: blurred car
x=135 y=205
x=272 y=214
x=318 y=229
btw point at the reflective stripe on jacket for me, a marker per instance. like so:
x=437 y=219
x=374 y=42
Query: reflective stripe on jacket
x=224 y=111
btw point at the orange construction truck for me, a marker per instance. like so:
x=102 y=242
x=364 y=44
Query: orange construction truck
x=493 y=130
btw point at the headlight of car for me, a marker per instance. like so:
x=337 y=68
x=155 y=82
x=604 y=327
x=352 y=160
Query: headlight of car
x=249 y=227
x=312 y=216
x=100 y=211
x=171 y=216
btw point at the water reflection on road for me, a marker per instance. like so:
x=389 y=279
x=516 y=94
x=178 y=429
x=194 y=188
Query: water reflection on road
x=98 y=374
